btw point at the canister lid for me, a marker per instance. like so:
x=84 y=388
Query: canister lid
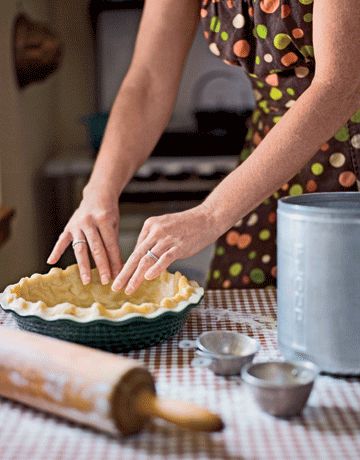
x=334 y=203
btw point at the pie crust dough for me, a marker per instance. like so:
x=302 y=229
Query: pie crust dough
x=60 y=294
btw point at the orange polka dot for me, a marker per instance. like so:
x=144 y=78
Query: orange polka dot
x=272 y=217
x=297 y=33
x=324 y=147
x=273 y=271
x=269 y=6
x=257 y=138
x=206 y=34
x=232 y=238
x=285 y=11
x=347 y=178
x=251 y=11
x=311 y=186
x=241 y=48
x=245 y=279
x=230 y=3
x=226 y=284
x=244 y=241
x=285 y=187
x=272 y=79
x=288 y=59
x=203 y=12
x=266 y=129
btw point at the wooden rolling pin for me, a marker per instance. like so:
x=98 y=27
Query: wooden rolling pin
x=91 y=387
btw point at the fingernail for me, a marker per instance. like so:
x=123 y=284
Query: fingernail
x=49 y=260
x=119 y=284
x=85 y=279
x=129 y=290
x=148 y=276
x=115 y=287
x=105 y=279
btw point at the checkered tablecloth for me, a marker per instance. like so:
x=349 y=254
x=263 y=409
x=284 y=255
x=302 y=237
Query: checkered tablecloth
x=328 y=429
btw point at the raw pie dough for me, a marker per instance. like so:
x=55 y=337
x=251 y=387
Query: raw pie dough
x=61 y=294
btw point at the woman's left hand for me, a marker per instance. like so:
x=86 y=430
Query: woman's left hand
x=169 y=237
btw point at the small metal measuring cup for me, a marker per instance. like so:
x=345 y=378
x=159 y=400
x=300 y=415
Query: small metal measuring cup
x=281 y=388
x=227 y=351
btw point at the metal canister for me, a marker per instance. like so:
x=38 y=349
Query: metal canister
x=318 y=251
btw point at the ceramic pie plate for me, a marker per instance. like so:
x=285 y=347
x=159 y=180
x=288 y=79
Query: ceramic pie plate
x=132 y=331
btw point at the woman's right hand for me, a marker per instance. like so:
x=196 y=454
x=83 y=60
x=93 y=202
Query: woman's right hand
x=96 y=225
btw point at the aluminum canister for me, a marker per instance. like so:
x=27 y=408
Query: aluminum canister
x=318 y=253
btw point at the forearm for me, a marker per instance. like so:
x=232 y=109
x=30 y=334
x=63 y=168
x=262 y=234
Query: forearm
x=313 y=119
x=139 y=115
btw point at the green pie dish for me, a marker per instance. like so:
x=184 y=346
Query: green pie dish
x=57 y=304
x=133 y=333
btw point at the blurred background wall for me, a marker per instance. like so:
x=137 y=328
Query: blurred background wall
x=38 y=120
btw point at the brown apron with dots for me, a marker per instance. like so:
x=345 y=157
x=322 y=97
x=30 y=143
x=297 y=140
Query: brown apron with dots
x=272 y=41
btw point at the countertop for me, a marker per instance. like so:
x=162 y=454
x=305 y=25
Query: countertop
x=328 y=429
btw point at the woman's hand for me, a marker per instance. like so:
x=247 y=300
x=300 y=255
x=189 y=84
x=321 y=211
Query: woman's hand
x=169 y=237
x=95 y=226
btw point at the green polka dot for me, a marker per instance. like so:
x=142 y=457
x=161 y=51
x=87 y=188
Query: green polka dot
x=215 y=24
x=306 y=2
x=356 y=117
x=249 y=134
x=216 y=274
x=276 y=195
x=255 y=116
x=260 y=84
x=296 y=189
x=342 y=134
x=252 y=75
x=275 y=94
x=252 y=255
x=245 y=154
x=235 y=269
x=257 y=60
x=262 y=31
x=220 y=251
x=276 y=119
x=308 y=17
x=224 y=36
x=317 y=169
x=266 y=201
x=264 y=106
x=270 y=288
x=290 y=91
x=257 y=275
x=264 y=234
x=307 y=51
x=281 y=41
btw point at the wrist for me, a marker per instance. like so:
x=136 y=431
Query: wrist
x=212 y=219
x=108 y=194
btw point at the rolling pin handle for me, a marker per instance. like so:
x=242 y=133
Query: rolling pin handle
x=180 y=413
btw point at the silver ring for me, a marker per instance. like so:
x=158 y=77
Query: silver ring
x=152 y=255
x=74 y=243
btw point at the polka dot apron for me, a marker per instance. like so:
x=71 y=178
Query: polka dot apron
x=272 y=41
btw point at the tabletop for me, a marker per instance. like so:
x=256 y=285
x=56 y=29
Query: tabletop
x=329 y=427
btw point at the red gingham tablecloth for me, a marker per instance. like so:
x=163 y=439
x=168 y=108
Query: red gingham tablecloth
x=328 y=429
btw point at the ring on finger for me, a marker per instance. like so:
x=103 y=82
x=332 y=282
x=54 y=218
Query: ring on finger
x=76 y=242
x=152 y=255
